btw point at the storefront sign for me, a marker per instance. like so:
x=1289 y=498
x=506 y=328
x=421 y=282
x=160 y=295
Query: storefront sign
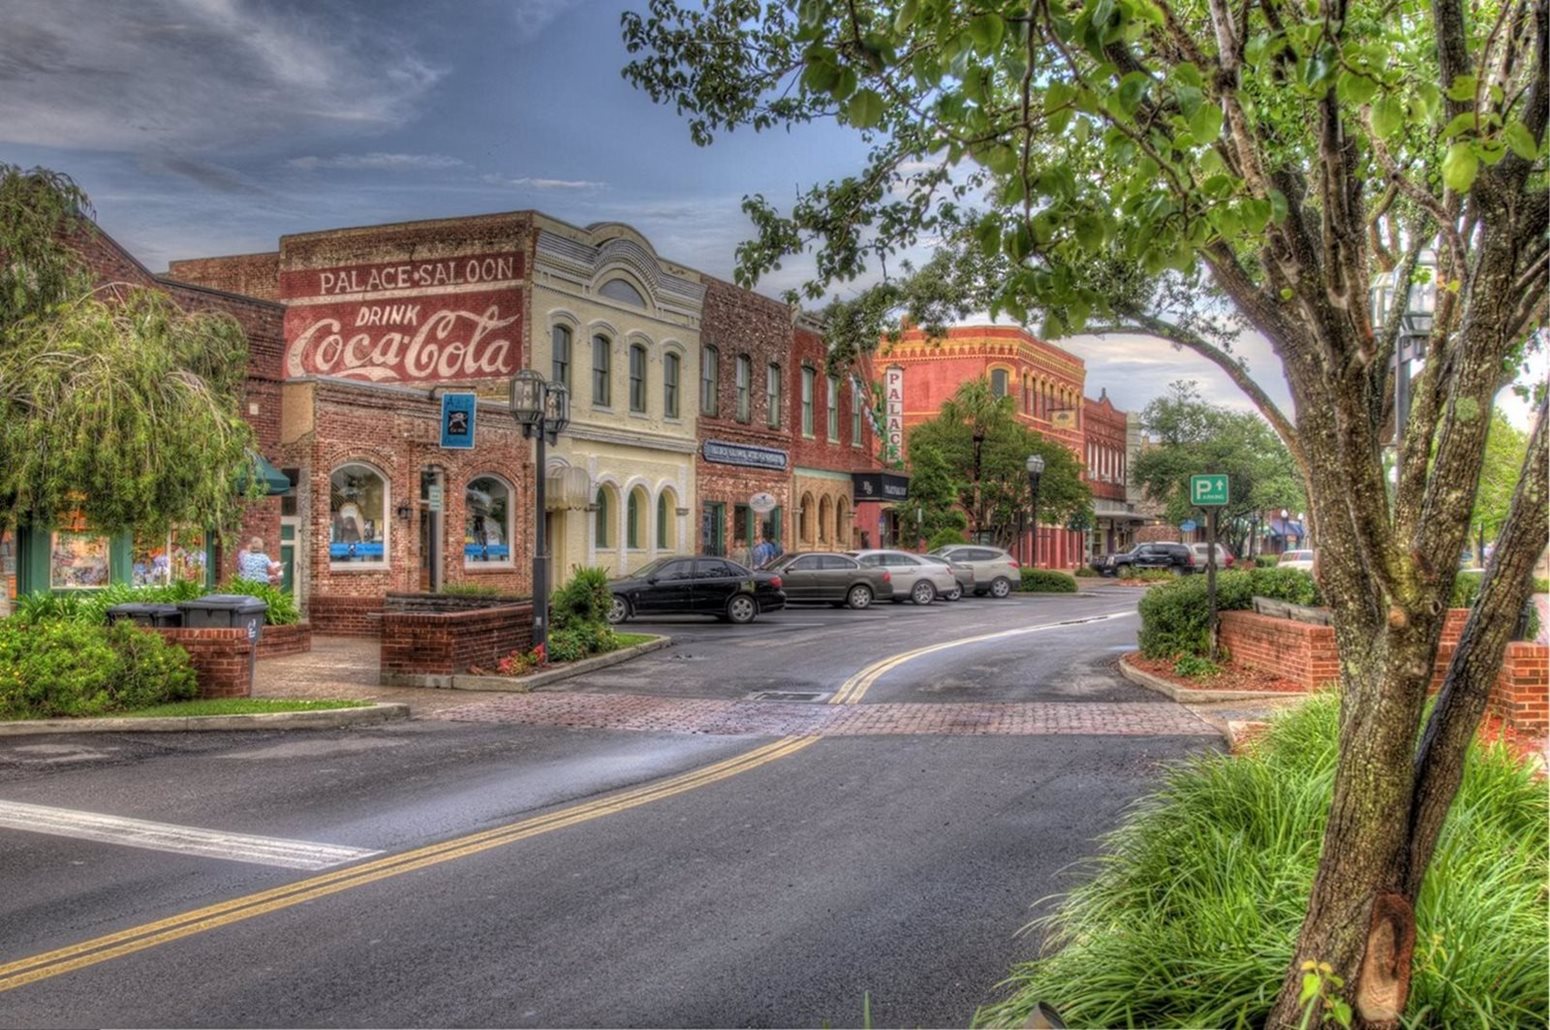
x=893 y=399
x=1063 y=418
x=406 y=322
x=762 y=503
x=879 y=486
x=458 y=411
x=433 y=495
x=744 y=454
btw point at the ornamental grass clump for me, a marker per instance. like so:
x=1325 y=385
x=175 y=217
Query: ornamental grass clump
x=1193 y=907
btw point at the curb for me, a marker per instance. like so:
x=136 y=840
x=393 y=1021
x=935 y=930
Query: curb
x=538 y=680
x=1187 y=696
x=326 y=719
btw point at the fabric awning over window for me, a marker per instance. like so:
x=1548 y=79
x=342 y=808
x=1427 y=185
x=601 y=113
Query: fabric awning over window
x=274 y=480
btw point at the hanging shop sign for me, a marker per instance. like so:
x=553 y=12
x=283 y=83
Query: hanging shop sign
x=762 y=503
x=458 y=412
x=748 y=455
x=893 y=400
x=879 y=486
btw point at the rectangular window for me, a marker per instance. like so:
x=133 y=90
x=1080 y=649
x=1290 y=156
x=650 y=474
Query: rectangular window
x=637 y=378
x=77 y=560
x=855 y=415
x=772 y=396
x=808 y=382
x=744 y=388
x=602 y=382
x=710 y=381
x=832 y=397
x=178 y=556
x=670 y=385
x=560 y=339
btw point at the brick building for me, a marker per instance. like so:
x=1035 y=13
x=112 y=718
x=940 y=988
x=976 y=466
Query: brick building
x=1044 y=381
x=1106 y=453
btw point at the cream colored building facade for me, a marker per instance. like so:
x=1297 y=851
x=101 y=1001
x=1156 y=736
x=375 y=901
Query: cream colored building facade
x=621 y=327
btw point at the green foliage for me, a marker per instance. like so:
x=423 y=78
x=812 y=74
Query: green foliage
x=1192 y=910
x=1266 y=561
x=114 y=403
x=946 y=538
x=1085 y=572
x=1175 y=616
x=584 y=600
x=1047 y=581
x=90 y=607
x=1196 y=668
x=282 y=606
x=239 y=706
x=69 y=668
x=581 y=641
x=1505 y=448
x=467 y=589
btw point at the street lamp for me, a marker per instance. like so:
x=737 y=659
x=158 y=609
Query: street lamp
x=1035 y=470
x=1415 y=327
x=542 y=409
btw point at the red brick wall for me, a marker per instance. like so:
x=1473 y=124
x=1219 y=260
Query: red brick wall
x=334 y=615
x=221 y=659
x=1306 y=654
x=415 y=644
x=1103 y=449
x=276 y=641
x=254 y=275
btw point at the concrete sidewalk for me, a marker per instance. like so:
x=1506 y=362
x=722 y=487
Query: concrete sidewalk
x=345 y=668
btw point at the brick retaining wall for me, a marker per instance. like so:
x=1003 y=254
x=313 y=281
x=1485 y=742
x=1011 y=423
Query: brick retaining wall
x=276 y=641
x=339 y=615
x=220 y=657
x=423 y=649
x=1306 y=654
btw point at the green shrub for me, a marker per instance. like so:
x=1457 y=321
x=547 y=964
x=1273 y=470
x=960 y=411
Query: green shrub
x=1084 y=571
x=469 y=590
x=1148 y=575
x=1266 y=561
x=1196 y=668
x=946 y=538
x=282 y=606
x=150 y=671
x=1047 y=581
x=584 y=599
x=1541 y=586
x=1194 y=905
x=1466 y=590
x=54 y=668
x=1175 y=616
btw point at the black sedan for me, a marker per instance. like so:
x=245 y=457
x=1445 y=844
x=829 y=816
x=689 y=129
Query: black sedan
x=703 y=585
x=830 y=578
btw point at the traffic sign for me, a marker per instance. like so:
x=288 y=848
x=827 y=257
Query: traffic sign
x=1208 y=491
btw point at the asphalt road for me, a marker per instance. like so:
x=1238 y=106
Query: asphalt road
x=898 y=866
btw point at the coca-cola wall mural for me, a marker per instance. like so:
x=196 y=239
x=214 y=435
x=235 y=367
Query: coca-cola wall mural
x=433 y=321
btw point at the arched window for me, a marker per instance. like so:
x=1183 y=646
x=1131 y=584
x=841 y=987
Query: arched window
x=805 y=521
x=825 y=520
x=358 y=510
x=744 y=380
x=841 y=524
x=602 y=371
x=998 y=382
x=637 y=378
x=710 y=381
x=665 y=515
x=622 y=291
x=600 y=525
x=671 y=367
x=560 y=345
x=487 y=528
x=634 y=512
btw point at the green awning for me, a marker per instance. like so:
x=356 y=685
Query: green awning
x=274 y=480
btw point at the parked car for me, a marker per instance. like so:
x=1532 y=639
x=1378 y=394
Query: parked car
x=1297 y=559
x=1155 y=555
x=995 y=571
x=703 y=585
x=1224 y=558
x=963 y=574
x=914 y=578
x=825 y=576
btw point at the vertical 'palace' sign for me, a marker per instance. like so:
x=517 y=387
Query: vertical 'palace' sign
x=406 y=321
x=893 y=399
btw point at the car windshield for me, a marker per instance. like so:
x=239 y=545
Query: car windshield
x=775 y=564
x=651 y=568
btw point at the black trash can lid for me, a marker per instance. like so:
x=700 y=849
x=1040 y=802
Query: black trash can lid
x=225 y=602
x=143 y=608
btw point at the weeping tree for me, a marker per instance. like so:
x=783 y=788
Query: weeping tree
x=115 y=405
x=1192 y=169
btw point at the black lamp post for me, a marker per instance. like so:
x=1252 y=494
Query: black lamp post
x=1415 y=327
x=542 y=409
x=1035 y=470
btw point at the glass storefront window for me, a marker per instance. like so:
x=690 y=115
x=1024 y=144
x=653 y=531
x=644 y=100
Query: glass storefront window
x=357 y=506
x=177 y=557
x=77 y=561
x=487 y=522
x=7 y=568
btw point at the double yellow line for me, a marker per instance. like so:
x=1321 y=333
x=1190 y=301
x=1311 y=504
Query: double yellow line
x=150 y=935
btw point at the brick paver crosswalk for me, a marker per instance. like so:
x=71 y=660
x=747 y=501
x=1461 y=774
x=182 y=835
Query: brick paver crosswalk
x=776 y=718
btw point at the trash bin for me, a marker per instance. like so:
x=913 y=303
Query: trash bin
x=145 y=613
x=225 y=611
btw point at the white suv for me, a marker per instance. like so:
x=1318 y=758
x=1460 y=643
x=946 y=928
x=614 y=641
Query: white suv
x=995 y=571
x=914 y=579
x=1224 y=557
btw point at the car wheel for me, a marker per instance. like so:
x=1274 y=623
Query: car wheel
x=923 y=592
x=619 y=610
x=859 y=597
x=955 y=594
x=1000 y=587
x=741 y=609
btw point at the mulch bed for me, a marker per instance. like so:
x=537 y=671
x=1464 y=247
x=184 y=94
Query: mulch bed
x=1493 y=728
x=1232 y=677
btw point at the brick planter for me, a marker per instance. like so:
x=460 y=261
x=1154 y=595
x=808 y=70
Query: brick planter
x=276 y=641
x=1306 y=654
x=220 y=657
x=426 y=649
x=340 y=615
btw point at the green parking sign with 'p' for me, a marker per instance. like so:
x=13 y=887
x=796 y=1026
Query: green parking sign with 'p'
x=1208 y=491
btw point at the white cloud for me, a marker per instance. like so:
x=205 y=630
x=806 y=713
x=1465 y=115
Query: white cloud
x=529 y=183
x=378 y=162
x=180 y=75
x=533 y=16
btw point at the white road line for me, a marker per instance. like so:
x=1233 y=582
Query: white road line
x=183 y=840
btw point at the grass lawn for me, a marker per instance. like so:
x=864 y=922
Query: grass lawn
x=631 y=639
x=236 y=706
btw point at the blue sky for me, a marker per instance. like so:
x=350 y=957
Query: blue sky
x=204 y=127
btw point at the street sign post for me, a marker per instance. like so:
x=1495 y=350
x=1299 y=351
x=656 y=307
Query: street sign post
x=1209 y=491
